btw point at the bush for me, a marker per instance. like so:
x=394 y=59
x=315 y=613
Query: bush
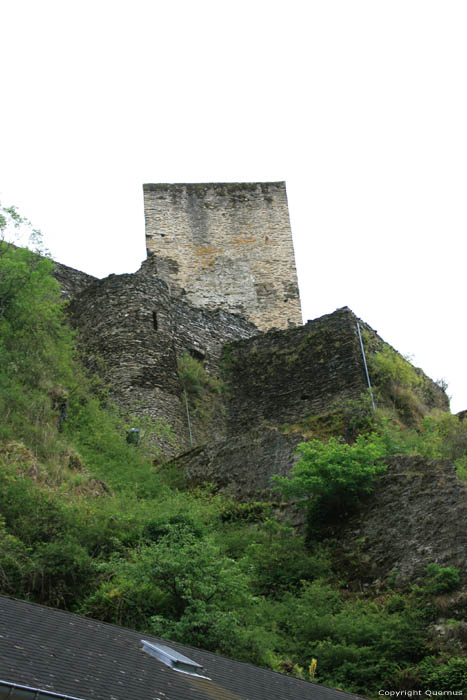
x=358 y=645
x=444 y=676
x=334 y=476
x=36 y=348
x=388 y=367
x=202 y=395
x=279 y=560
x=441 y=579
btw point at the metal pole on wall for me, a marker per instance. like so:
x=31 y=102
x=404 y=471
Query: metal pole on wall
x=174 y=350
x=366 y=366
x=188 y=417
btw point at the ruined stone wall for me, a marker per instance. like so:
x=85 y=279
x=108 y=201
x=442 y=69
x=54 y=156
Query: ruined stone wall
x=133 y=332
x=281 y=376
x=71 y=281
x=226 y=246
x=241 y=466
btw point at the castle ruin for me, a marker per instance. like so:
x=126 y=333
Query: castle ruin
x=219 y=286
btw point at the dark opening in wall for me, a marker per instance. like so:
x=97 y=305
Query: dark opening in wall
x=197 y=354
x=154 y=321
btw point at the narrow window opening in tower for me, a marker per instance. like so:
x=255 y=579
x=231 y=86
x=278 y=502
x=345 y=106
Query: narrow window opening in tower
x=155 y=321
x=197 y=354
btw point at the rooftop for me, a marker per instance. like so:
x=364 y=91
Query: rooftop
x=66 y=654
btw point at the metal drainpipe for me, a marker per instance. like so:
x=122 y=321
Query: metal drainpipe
x=188 y=417
x=174 y=351
x=366 y=367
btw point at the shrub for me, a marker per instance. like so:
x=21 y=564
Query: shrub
x=435 y=673
x=441 y=579
x=334 y=475
x=279 y=560
x=194 y=377
x=388 y=368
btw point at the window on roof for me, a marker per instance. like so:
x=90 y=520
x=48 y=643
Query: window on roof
x=173 y=659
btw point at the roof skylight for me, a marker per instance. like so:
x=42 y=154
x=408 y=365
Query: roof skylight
x=173 y=659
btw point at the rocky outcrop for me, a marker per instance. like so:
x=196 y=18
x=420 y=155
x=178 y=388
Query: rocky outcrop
x=415 y=516
x=241 y=467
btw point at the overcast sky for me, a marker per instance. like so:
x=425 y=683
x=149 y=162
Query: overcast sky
x=360 y=105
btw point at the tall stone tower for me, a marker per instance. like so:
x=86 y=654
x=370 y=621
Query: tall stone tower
x=226 y=246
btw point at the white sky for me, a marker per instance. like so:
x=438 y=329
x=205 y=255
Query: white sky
x=360 y=105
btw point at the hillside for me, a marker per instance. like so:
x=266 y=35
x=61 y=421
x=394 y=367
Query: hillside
x=192 y=548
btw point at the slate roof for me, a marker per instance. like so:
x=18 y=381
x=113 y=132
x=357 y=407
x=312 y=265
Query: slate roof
x=72 y=655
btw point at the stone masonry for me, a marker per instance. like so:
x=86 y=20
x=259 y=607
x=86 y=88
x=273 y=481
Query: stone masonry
x=282 y=376
x=226 y=246
x=220 y=272
x=134 y=333
x=71 y=281
x=220 y=286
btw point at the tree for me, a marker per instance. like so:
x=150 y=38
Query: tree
x=332 y=477
x=36 y=344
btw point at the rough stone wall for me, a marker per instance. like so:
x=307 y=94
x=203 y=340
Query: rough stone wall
x=281 y=376
x=241 y=466
x=71 y=281
x=226 y=246
x=416 y=515
x=133 y=332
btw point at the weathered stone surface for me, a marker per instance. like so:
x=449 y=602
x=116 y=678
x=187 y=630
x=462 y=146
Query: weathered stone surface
x=226 y=246
x=282 y=376
x=415 y=516
x=133 y=327
x=218 y=254
x=133 y=332
x=71 y=281
x=241 y=466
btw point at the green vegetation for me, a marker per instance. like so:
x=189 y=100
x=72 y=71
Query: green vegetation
x=398 y=384
x=202 y=394
x=90 y=524
x=441 y=579
x=335 y=475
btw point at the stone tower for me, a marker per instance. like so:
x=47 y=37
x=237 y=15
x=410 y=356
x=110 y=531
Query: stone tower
x=226 y=246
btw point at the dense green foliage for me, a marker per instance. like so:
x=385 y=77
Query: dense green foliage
x=90 y=524
x=333 y=477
